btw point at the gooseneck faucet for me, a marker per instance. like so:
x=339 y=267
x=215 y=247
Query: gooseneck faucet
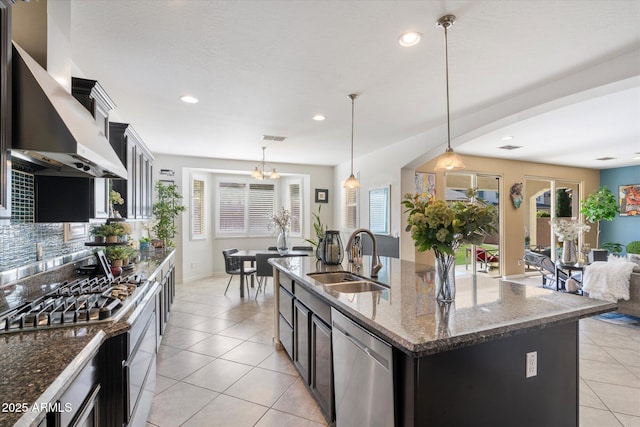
x=376 y=265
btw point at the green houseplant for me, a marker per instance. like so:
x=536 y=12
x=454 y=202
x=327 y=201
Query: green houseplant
x=115 y=255
x=167 y=207
x=598 y=206
x=633 y=251
x=319 y=229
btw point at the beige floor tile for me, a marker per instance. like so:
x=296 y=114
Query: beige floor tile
x=589 y=398
x=261 y=386
x=625 y=400
x=634 y=370
x=280 y=362
x=591 y=417
x=165 y=351
x=215 y=345
x=182 y=364
x=181 y=337
x=185 y=320
x=275 y=418
x=214 y=325
x=628 y=420
x=265 y=336
x=250 y=353
x=227 y=411
x=163 y=383
x=241 y=331
x=218 y=375
x=178 y=403
x=595 y=352
x=297 y=401
x=625 y=356
x=616 y=341
x=607 y=373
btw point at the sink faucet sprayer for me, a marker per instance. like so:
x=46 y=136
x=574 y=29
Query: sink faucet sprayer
x=376 y=265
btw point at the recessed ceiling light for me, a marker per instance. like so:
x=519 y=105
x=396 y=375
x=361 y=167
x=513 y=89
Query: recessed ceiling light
x=410 y=38
x=189 y=99
x=507 y=138
x=319 y=117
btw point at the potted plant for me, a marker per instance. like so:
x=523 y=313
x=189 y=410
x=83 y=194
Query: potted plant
x=166 y=208
x=319 y=229
x=115 y=255
x=99 y=233
x=598 y=206
x=633 y=251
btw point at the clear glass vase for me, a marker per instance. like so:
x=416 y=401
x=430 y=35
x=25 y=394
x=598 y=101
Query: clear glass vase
x=283 y=243
x=445 y=276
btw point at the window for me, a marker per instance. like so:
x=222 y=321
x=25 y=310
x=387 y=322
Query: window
x=379 y=210
x=350 y=208
x=198 y=207
x=244 y=207
x=294 y=204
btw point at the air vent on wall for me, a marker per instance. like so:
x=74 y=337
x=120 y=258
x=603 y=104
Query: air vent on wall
x=605 y=158
x=273 y=138
x=510 y=147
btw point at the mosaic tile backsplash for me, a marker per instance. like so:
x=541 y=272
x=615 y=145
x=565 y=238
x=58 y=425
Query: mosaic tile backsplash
x=18 y=243
x=22 y=197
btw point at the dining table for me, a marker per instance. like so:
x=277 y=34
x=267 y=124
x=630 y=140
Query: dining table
x=250 y=255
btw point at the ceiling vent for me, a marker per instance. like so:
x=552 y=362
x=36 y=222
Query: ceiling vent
x=510 y=147
x=605 y=158
x=273 y=138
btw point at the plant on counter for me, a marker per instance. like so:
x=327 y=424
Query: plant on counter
x=318 y=228
x=115 y=198
x=115 y=255
x=99 y=232
x=599 y=205
x=166 y=208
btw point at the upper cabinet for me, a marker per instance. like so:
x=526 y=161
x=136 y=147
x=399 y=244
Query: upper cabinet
x=93 y=97
x=137 y=191
x=5 y=108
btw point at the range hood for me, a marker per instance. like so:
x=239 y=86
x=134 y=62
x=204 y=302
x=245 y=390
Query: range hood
x=53 y=130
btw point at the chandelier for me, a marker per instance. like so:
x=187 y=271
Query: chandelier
x=259 y=172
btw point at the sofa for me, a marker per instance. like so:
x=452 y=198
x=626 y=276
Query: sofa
x=632 y=306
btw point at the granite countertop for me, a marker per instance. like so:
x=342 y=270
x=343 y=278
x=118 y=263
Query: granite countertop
x=37 y=366
x=408 y=316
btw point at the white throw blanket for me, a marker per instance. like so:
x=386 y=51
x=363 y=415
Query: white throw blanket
x=608 y=281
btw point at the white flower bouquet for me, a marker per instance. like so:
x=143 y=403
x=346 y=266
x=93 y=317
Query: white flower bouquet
x=568 y=229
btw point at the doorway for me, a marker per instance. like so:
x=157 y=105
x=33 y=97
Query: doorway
x=484 y=258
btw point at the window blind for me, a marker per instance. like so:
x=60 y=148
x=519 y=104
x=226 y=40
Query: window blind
x=197 y=208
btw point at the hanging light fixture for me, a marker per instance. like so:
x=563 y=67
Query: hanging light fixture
x=259 y=171
x=448 y=161
x=352 y=182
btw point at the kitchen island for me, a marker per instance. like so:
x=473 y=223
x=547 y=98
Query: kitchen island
x=42 y=370
x=502 y=354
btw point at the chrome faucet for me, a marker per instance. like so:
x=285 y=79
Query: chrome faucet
x=376 y=265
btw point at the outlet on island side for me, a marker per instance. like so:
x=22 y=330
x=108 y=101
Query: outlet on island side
x=532 y=364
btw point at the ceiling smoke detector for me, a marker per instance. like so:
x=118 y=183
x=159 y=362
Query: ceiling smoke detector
x=273 y=138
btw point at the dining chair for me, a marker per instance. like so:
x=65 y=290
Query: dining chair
x=232 y=267
x=303 y=248
x=264 y=270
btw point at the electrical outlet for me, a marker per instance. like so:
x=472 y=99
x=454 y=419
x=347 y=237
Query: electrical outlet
x=532 y=364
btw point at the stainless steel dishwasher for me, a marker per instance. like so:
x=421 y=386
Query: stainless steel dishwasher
x=363 y=375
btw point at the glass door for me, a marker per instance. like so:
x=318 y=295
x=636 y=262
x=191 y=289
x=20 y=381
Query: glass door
x=485 y=257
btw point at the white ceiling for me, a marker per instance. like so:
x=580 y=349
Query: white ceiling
x=562 y=77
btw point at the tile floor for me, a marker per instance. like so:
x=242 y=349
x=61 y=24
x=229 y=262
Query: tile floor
x=217 y=367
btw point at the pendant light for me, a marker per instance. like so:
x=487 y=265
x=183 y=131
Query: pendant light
x=448 y=161
x=259 y=171
x=352 y=182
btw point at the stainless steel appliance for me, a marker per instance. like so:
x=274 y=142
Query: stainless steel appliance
x=363 y=375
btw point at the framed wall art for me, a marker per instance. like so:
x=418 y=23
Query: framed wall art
x=426 y=185
x=322 y=195
x=629 y=196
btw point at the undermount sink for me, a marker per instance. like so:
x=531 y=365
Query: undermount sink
x=345 y=282
x=355 y=287
x=335 y=277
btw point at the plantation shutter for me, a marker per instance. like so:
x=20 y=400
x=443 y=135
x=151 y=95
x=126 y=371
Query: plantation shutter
x=231 y=206
x=262 y=202
x=294 y=202
x=197 y=209
x=350 y=208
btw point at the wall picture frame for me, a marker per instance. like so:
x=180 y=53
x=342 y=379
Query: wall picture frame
x=629 y=198
x=322 y=195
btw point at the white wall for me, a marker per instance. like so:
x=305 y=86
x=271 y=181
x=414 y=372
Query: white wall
x=202 y=258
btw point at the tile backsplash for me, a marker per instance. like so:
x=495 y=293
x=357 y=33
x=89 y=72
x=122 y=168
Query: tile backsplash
x=18 y=243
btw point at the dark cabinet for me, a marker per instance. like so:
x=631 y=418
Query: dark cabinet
x=5 y=108
x=305 y=334
x=137 y=190
x=301 y=322
x=321 y=365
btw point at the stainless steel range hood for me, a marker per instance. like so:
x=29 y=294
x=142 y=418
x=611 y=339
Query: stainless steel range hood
x=52 y=129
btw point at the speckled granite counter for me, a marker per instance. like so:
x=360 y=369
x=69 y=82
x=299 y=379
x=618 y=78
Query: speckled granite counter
x=37 y=366
x=408 y=316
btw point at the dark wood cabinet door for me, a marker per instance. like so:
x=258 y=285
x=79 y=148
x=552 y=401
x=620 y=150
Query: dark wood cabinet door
x=301 y=319
x=321 y=365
